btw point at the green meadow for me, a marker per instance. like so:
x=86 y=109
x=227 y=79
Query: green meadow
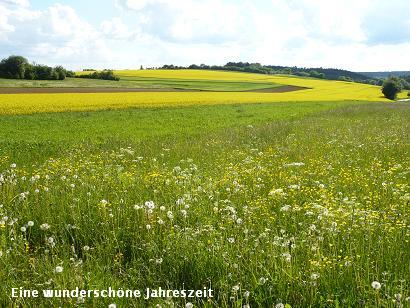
x=270 y=205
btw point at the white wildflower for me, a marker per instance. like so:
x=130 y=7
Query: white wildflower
x=44 y=226
x=285 y=208
x=235 y=288
x=262 y=280
x=376 y=285
x=277 y=192
x=150 y=205
x=58 y=269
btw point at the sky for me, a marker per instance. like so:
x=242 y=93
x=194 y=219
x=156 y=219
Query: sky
x=358 y=35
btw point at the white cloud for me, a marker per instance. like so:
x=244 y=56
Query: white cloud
x=210 y=21
x=351 y=34
x=5 y=27
x=16 y=2
x=52 y=36
x=116 y=29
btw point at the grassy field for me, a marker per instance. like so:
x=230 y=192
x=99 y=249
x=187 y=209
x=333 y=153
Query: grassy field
x=140 y=82
x=266 y=200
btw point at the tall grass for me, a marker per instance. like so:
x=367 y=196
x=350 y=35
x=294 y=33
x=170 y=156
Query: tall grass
x=306 y=212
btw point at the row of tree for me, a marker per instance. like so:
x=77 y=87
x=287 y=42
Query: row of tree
x=18 y=67
x=322 y=73
x=247 y=68
x=105 y=74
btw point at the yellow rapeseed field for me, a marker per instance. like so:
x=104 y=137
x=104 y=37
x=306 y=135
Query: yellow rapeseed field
x=321 y=90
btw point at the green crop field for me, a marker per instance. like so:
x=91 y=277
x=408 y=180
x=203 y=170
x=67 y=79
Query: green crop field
x=298 y=198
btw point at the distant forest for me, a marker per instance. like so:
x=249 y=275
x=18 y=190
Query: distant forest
x=323 y=73
x=386 y=74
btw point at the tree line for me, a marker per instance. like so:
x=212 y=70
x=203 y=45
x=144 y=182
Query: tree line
x=104 y=74
x=322 y=73
x=18 y=67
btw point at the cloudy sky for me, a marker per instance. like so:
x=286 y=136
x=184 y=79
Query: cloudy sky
x=360 y=35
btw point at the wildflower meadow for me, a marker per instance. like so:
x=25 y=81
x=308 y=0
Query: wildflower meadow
x=306 y=210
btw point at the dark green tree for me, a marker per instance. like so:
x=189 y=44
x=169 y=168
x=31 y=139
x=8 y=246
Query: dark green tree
x=13 y=67
x=60 y=72
x=391 y=87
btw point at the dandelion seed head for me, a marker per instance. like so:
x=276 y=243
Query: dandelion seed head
x=44 y=226
x=58 y=269
x=262 y=280
x=150 y=205
x=376 y=285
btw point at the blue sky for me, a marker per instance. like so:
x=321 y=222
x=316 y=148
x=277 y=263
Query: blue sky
x=365 y=35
